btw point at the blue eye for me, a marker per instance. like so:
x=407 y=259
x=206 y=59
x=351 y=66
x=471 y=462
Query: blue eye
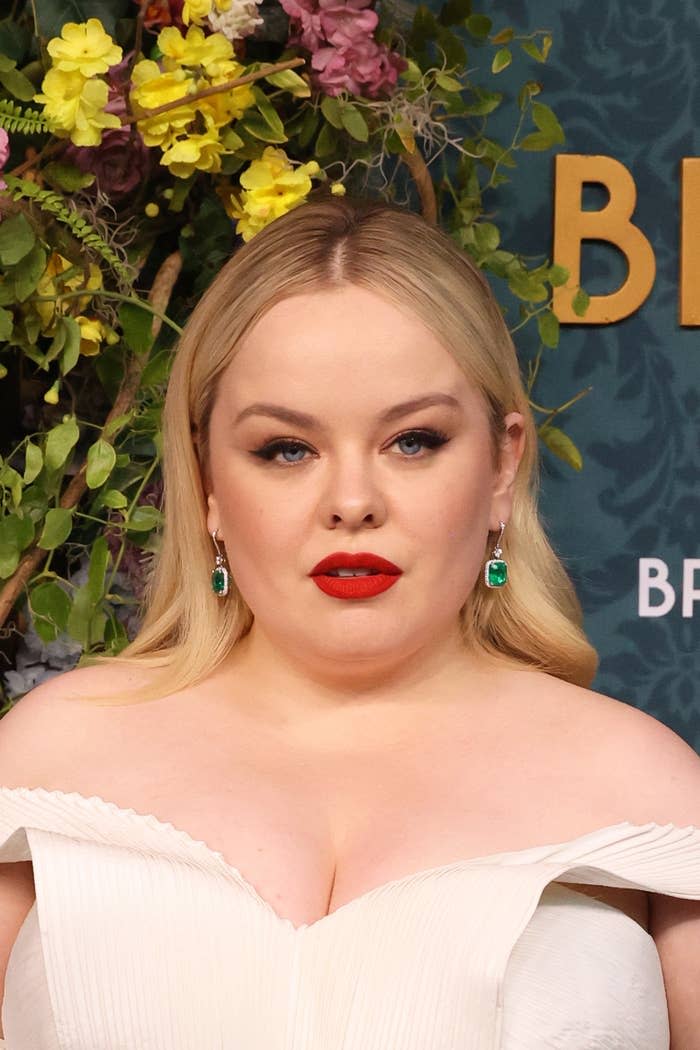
x=431 y=439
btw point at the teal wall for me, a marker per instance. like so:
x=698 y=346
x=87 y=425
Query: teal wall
x=623 y=79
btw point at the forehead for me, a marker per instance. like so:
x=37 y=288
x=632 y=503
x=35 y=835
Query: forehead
x=349 y=337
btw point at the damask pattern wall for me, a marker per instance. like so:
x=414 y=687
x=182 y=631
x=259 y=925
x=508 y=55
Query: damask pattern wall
x=623 y=79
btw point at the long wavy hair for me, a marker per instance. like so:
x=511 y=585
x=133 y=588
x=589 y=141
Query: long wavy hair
x=185 y=630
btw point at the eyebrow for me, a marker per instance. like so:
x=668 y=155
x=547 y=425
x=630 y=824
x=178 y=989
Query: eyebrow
x=302 y=419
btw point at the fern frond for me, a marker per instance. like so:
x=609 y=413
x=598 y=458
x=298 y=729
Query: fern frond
x=57 y=205
x=20 y=119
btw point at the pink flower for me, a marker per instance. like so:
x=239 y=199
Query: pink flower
x=305 y=12
x=362 y=70
x=4 y=154
x=345 y=24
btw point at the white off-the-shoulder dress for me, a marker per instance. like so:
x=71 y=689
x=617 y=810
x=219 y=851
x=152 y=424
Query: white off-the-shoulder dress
x=142 y=938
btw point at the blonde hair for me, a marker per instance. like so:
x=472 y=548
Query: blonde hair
x=186 y=631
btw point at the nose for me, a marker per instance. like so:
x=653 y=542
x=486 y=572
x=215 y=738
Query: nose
x=352 y=495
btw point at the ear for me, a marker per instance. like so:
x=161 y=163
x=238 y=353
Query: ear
x=213 y=516
x=511 y=452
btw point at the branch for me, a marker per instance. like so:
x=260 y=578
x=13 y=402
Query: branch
x=215 y=89
x=424 y=183
x=159 y=297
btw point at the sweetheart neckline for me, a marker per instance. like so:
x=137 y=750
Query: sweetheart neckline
x=186 y=838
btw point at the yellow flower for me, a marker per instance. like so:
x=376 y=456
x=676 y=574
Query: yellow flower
x=92 y=332
x=51 y=395
x=271 y=187
x=194 y=153
x=221 y=109
x=337 y=189
x=152 y=89
x=52 y=282
x=75 y=106
x=84 y=48
x=214 y=53
x=196 y=11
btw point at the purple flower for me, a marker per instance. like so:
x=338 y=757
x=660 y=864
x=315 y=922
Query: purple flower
x=120 y=163
x=4 y=154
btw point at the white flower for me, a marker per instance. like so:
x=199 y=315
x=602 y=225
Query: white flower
x=238 y=20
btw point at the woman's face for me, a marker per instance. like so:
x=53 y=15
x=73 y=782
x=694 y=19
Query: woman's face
x=419 y=489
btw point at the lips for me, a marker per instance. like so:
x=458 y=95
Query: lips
x=360 y=560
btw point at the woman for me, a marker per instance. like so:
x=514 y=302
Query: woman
x=312 y=811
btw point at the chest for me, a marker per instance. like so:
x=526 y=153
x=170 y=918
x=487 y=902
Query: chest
x=315 y=825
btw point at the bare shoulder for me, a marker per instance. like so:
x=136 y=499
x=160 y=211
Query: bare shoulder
x=55 y=719
x=652 y=772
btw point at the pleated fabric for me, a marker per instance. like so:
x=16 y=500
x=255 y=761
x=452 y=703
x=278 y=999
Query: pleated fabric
x=143 y=938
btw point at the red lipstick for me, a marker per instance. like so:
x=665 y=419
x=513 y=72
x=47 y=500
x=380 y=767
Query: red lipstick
x=384 y=575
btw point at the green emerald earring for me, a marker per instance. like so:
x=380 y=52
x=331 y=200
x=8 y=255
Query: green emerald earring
x=496 y=569
x=220 y=575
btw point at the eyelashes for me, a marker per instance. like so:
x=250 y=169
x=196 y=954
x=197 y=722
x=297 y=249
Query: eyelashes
x=429 y=438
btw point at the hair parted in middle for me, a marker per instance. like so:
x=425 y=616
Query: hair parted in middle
x=321 y=245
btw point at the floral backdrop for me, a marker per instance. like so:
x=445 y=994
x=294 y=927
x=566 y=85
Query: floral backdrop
x=140 y=144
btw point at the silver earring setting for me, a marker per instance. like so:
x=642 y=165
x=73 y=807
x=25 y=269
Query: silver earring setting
x=220 y=577
x=496 y=569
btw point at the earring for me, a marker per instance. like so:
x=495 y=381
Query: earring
x=220 y=574
x=496 y=570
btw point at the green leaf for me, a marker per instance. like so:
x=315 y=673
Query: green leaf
x=259 y=128
x=14 y=39
x=485 y=102
x=26 y=274
x=18 y=85
x=448 y=83
x=99 y=560
x=486 y=236
x=53 y=14
x=501 y=60
x=530 y=48
x=16 y=239
x=33 y=462
x=71 y=348
x=558 y=275
x=50 y=607
x=326 y=141
x=548 y=327
x=288 y=80
x=479 y=25
x=504 y=36
x=308 y=126
x=268 y=111
x=137 y=324
x=101 y=459
x=10 y=479
x=330 y=107
x=561 y=445
x=80 y=615
x=580 y=302
x=546 y=121
x=538 y=140
x=66 y=176
x=354 y=123
x=60 y=442
x=15 y=532
x=57 y=528
x=114 y=499
x=454 y=11
x=6 y=325
x=144 y=519
x=9 y=560
x=546 y=46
